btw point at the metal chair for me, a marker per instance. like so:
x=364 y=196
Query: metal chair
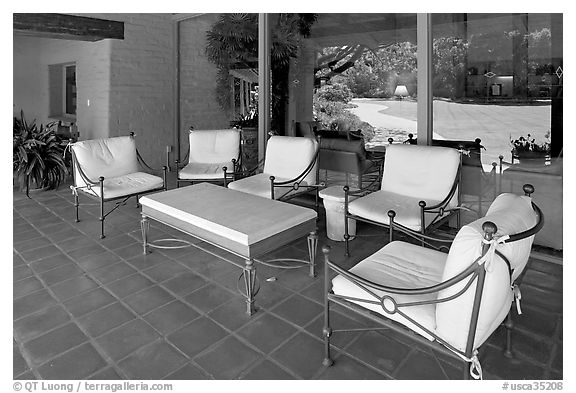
x=211 y=154
x=453 y=301
x=290 y=168
x=419 y=184
x=111 y=169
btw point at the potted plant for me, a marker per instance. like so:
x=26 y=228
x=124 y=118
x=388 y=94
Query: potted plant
x=38 y=155
x=526 y=148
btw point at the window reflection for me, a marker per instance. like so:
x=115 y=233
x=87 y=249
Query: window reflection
x=494 y=79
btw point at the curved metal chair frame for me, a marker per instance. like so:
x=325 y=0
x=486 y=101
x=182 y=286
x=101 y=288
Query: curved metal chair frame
x=228 y=175
x=121 y=200
x=295 y=184
x=440 y=210
x=472 y=162
x=475 y=272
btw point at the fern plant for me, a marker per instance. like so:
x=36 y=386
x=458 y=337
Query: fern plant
x=38 y=155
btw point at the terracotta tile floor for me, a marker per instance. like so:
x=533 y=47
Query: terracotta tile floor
x=86 y=308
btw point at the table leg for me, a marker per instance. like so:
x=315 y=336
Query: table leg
x=312 y=246
x=250 y=282
x=145 y=226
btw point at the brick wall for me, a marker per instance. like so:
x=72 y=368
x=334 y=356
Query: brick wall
x=127 y=85
x=141 y=83
x=198 y=105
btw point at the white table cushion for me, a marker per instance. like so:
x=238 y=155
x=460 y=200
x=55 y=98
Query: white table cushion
x=201 y=171
x=238 y=216
x=420 y=172
x=133 y=183
x=259 y=184
x=110 y=157
x=402 y=265
x=375 y=206
x=512 y=214
x=287 y=157
x=214 y=146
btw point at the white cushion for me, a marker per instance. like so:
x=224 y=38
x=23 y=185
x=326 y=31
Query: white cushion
x=214 y=146
x=287 y=157
x=132 y=183
x=512 y=214
x=401 y=265
x=421 y=172
x=110 y=157
x=199 y=171
x=232 y=215
x=259 y=184
x=375 y=206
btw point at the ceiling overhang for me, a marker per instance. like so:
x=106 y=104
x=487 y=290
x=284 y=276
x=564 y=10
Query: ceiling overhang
x=67 y=27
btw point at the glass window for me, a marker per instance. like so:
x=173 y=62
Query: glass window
x=70 y=90
x=63 y=93
x=365 y=74
x=497 y=77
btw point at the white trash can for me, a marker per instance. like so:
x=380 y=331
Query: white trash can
x=333 y=199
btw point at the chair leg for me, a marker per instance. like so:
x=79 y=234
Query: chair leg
x=326 y=331
x=102 y=216
x=346 y=233
x=137 y=201
x=76 y=205
x=346 y=238
x=509 y=325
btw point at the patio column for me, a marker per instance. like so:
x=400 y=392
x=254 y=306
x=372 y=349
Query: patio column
x=557 y=125
x=176 y=123
x=264 y=87
x=424 y=57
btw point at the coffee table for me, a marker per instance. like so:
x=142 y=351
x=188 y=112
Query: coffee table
x=243 y=224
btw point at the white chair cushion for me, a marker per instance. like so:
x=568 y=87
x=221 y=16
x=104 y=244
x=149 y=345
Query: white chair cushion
x=110 y=157
x=232 y=215
x=287 y=157
x=199 y=171
x=401 y=265
x=214 y=146
x=512 y=214
x=259 y=184
x=375 y=206
x=133 y=183
x=421 y=172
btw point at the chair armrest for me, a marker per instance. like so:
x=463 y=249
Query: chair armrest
x=471 y=272
x=83 y=175
x=435 y=242
x=253 y=170
x=298 y=179
x=448 y=197
x=163 y=171
x=145 y=165
x=360 y=192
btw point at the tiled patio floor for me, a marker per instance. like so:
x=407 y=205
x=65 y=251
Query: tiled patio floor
x=86 y=308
